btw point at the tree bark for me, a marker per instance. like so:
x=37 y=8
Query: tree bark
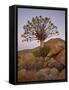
x=41 y=43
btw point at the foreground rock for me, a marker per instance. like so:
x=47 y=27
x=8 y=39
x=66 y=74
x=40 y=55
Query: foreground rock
x=28 y=61
x=55 y=45
x=43 y=74
x=61 y=57
x=51 y=67
x=26 y=75
x=47 y=74
x=39 y=63
x=62 y=75
x=52 y=63
x=54 y=74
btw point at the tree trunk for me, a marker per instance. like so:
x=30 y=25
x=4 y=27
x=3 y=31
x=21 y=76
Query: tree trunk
x=41 y=43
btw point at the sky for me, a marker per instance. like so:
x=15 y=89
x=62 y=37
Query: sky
x=25 y=14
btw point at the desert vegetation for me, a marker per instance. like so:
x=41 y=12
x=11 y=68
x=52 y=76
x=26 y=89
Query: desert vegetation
x=40 y=28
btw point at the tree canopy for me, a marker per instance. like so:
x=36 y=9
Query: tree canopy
x=39 y=28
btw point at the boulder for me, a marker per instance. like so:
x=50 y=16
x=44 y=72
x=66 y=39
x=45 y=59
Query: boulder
x=39 y=63
x=61 y=57
x=47 y=74
x=55 y=45
x=51 y=62
x=53 y=74
x=43 y=74
x=62 y=75
x=28 y=60
x=54 y=63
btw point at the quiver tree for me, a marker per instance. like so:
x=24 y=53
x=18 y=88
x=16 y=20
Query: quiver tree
x=39 y=29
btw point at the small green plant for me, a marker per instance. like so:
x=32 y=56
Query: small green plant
x=43 y=51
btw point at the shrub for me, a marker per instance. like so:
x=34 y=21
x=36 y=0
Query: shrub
x=43 y=51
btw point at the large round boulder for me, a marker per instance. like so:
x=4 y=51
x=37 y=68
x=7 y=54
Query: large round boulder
x=61 y=57
x=28 y=60
x=53 y=74
x=55 y=45
x=43 y=74
x=62 y=75
x=53 y=63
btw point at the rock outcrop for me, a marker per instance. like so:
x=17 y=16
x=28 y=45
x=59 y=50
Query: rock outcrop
x=51 y=67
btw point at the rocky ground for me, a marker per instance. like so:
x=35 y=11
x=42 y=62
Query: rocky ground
x=51 y=67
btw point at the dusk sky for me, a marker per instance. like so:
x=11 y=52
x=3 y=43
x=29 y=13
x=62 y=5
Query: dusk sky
x=24 y=14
